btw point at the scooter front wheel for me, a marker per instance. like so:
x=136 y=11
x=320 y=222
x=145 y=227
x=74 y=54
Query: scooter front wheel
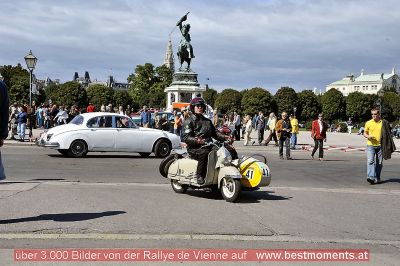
x=177 y=187
x=230 y=189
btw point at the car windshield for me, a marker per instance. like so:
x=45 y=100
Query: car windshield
x=77 y=120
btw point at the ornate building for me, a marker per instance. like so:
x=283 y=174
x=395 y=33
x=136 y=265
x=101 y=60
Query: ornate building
x=169 y=57
x=366 y=83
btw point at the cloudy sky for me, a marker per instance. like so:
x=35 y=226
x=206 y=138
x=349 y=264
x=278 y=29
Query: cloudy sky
x=238 y=44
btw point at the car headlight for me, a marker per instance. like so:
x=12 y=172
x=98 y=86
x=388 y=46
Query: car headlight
x=49 y=136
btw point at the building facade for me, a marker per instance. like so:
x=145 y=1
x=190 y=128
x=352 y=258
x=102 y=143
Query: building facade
x=366 y=83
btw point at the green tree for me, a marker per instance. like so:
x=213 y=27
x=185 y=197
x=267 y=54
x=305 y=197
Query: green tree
x=286 y=99
x=309 y=105
x=333 y=104
x=148 y=84
x=358 y=106
x=100 y=94
x=70 y=93
x=228 y=100
x=51 y=91
x=390 y=103
x=19 y=91
x=17 y=80
x=255 y=100
x=209 y=96
x=122 y=98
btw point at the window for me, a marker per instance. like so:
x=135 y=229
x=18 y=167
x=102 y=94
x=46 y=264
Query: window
x=77 y=120
x=125 y=122
x=100 y=122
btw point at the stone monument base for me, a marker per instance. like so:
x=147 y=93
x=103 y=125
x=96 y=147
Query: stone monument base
x=184 y=88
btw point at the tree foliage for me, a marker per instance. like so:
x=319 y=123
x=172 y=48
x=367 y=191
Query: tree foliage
x=309 y=105
x=100 y=94
x=17 y=80
x=122 y=98
x=358 y=106
x=255 y=100
x=286 y=99
x=333 y=104
x=390 y=103
x=148 y=84
x=209 y=96
x=70 y=93
x=228 y=100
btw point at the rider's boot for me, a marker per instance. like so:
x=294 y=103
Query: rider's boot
x=200 y=180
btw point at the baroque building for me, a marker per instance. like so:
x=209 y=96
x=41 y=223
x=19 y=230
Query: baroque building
x=366 y=83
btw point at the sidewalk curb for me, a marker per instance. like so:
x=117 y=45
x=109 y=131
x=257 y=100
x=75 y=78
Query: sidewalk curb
x=16 y=143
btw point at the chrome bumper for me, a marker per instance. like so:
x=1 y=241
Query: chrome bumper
x=43 y=143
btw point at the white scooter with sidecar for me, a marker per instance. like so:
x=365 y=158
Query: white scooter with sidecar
x=224 y=174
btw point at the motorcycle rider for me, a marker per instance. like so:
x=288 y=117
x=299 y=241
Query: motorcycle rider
x=198 y=130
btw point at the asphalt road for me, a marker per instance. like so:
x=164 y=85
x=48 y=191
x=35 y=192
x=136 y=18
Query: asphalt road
x=339 y=170
x=120 y=200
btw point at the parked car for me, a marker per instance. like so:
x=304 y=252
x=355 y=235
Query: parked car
x=107 y=132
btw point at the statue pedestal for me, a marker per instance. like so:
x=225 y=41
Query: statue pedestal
x=184 y=88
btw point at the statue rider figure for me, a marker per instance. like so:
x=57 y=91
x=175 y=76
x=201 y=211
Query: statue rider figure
x=185 y=51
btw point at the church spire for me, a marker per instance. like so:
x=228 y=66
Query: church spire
x=169 y=57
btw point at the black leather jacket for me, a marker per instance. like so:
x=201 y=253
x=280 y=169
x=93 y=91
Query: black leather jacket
x=198 y=126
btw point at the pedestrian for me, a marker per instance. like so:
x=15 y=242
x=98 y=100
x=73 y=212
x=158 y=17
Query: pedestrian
x=90 y=108
x=349 y=125
x=260 y=126
x=248 y=127
x=295 y=130
x=283 y=129
x=177 y=123
x=318 y=134
x=237 y=122
x=145 y=117
x=13 y=120
x=39 y=116
x=380 y=145
x=22 y=118
x=121 y=110
x=4 y=108
x=272 y=132
x=157 y=120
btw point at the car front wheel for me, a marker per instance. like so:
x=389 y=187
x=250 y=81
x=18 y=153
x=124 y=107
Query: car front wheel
x=162 y=148
x=78 y=148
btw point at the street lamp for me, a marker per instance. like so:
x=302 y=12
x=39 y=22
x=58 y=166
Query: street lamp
x=30 y=61
x=294 y=111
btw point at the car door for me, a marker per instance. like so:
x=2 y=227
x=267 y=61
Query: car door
x=102 y=133
x=128 y=136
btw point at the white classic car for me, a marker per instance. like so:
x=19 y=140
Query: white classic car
x=107 y=132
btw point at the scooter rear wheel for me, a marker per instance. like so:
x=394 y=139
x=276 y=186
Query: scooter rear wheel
x=177 y=187
x=230 y=189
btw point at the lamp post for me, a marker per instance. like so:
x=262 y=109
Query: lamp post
x=294 y=111
x=30 y=61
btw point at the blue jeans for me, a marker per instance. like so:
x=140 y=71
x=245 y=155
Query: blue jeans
x=293 y=140
x=2 y=174
x=21 y=130
x=374 y=162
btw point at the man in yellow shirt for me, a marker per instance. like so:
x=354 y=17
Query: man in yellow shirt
x=295 y=131
x=373 y=132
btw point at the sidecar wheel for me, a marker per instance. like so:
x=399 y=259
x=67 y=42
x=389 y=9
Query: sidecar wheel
x=178 y=188
x=166 y=163
x=230 y=189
